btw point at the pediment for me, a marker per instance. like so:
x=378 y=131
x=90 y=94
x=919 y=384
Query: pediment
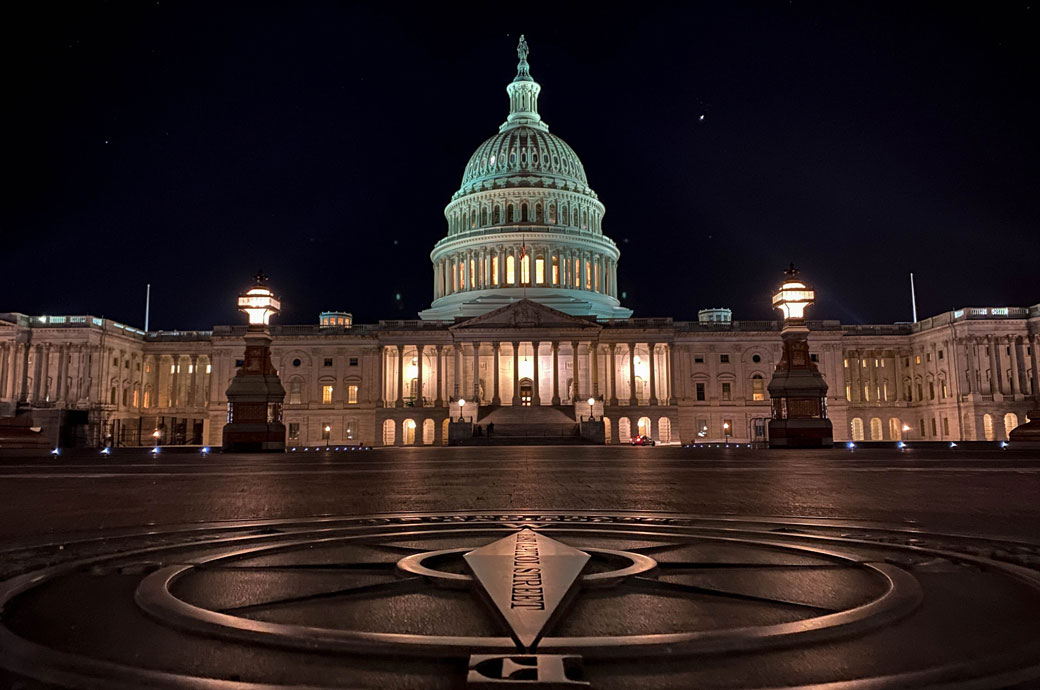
x=526 y=314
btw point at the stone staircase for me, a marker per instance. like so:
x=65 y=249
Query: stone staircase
x=519 y=425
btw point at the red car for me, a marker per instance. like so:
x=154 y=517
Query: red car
x=643 y=441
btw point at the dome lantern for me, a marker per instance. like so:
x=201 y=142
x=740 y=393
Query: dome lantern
x=523 y=95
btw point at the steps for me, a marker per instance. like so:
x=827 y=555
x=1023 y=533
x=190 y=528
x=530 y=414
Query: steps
x=519 y=425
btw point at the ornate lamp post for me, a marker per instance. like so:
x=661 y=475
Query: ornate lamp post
x=592 y=417
x=255 y=395
x=462 y=403
x=797 y=389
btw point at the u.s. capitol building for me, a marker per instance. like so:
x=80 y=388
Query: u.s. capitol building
x=525 y=328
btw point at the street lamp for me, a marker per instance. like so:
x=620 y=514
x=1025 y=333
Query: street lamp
x=462 y=403
x=592 y=401
x=906 y=428
x=726 y=431
x=156 y=434
x=328 y=429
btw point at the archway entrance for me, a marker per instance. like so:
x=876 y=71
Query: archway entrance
x=526 y=392
x=643 y=427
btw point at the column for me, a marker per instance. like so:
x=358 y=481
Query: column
x=22 y=389
x=5 y=354
x=672 y=400
x=652 y=347
x=1016 y=388
x=555 y=345
x=496 y=396
x=172 y=383
x=45 y=372
x=536 y=398
x=994 y=370
x=476 y=372
x=1034 y=359
x=439 y=402
x=399 y=401
x=969 y=374
x=192 y=381
x=632 y=375
x=613 y=374
x=59 y=384
x=594 y=368
x=421 y=402
x=576 y=383
x=516 y=373
x=458 y=372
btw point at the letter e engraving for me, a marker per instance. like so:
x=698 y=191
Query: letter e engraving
x=541 y=671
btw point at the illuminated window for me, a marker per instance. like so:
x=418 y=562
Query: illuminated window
x=576 y=276
x=942 y=388
x=863 y=362
x=758 y=387
x=525 y=270
x=857 y=429
x=147 y=398
x=209 y=368
x=555 y=270
x=848 y=392
x=147 y=368
x=917 y=360
x=511 y=270
x=494 y=270
x=472 y=273
x=173 y=368
x=875 y=429
x=588 y=275
x=539 y=271
x=727 y=391
x=866 y=392
x=846 y=362
x=137 y=397
x=326 y=395
x=352 y=394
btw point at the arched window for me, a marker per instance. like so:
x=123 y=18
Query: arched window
x=538 y=213
x=1010 y=422
x=428 y=429
x=523 y=212
x=473 y=218
x=664 y=430
x=388 y=433
x=556 y=270
x=295 y=391
x=895 y=429
x=511 y=270
x=588 y=275
x=444 y=432
x=511 y=213
x=643 y=427
x=483 y=217
x=494 y=270
x=496 y=214
x=857 y=429
x=876 y=430
x=758 y=387
x=584 y=220
x=525 y=270
x=565 y=215
x=552 y=214
x=408 y=432
x=539 y=270
x=607 y=434
x=987 y=427
x=624 y=431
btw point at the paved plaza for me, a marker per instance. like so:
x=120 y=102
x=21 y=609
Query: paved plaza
x=540 y=567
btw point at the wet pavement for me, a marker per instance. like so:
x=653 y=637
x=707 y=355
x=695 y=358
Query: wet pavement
x=708 y=568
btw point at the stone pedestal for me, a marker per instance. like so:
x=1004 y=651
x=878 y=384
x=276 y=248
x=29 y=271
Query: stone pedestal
x=1027 y=436
x=255 y=399
x=799 y=395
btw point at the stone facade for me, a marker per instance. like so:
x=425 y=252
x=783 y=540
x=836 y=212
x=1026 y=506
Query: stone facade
x=969 y=374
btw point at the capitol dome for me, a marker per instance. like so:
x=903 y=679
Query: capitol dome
x=524 y=223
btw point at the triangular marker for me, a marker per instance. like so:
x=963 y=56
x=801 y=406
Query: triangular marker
x=526 y=575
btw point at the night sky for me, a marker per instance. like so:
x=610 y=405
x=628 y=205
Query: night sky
x=188 y=144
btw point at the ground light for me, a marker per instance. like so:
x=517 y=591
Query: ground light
x=952 y=444
x=155 y=450
x=852 y=446
x=205 y=450
x=106 y=451
x=901 y=445
x=56 y=451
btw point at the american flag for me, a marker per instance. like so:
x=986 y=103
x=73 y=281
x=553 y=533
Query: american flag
x=523 y=249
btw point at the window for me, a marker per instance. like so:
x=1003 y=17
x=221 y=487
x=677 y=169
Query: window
x=724 y=359
x=918 y=361
x=539 y=271
x=931 y=390
x=352 y=429
x=352 y=394
x=727 y=427
x=942 y=388
x=848 y=392
x=698 y=359
x=758 y=387
x=494 y=268
x=296 y=362
x=702 y=428
x=209 y=368
x=846 y=362
x=295 y=392
x=928 y=357
x=756 y=358
x=863 y=363
x=294 y=431
x=242 y=362
x=137 y=366
x=352 y=361
x=934 y=430
x=922 y=428
x=727 y=391
x=328 y=362
x=115 y=361
x=946 y=426
x=940 y=354
x=510 y=270
x=857 y=429
x=555 y=267
x=700 y=391
x=326 y=395
x=814 y=357
x=525 y=269
x=920 y=393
